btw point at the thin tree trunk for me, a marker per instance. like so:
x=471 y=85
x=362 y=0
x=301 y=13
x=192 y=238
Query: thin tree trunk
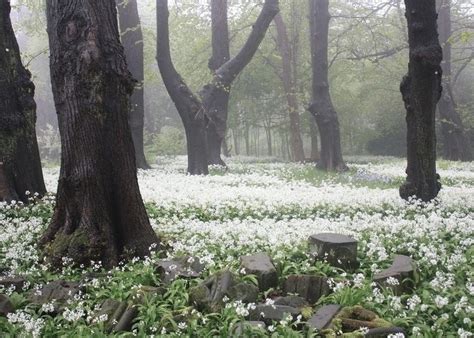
x=322 y=107
x=20 y=165
x=236 y=137
x=215 y=95
x=99 y=213
x=225 y=146
x=188 y=105
x=268 y=132
x=313 y=129
x=289 y=85
x=247 y=140
x=421 y=90
x=455 y=143
x=132 y=40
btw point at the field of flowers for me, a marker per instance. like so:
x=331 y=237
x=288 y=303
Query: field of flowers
x=273 y=207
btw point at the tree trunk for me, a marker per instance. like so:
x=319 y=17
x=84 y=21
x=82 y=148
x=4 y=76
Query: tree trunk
x=189 y=107
x=99 y=213
x=322 y=107
x=20 y=165
x=247 y=140
x=455 y=143
x=215 y=95
x=289 y=85
x=225 y=146
x=220 y=104
x=268 y=132
x=236 y=136
x=314 y=139
x=421 y=90
x=132 y=41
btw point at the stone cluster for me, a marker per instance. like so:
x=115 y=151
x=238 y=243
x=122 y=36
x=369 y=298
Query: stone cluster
x=292 y=297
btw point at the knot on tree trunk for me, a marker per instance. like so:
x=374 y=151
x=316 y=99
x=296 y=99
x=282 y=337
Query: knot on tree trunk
x=431 y=55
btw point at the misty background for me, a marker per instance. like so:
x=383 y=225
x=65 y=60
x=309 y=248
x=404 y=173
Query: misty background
x=367 y=53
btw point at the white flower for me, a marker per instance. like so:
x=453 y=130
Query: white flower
x=441 y=301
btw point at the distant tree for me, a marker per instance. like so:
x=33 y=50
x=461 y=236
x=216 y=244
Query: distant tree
x=20 y=165
x=322 y=107
x=289 y=84
x=132 y=41
x=205 y=118
x=455 y=141
x=421 y=90
x=99 y=213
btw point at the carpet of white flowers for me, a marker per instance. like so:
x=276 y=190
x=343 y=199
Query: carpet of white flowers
x=274 y=207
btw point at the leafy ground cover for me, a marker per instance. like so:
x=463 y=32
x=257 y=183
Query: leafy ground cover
x=272 y=207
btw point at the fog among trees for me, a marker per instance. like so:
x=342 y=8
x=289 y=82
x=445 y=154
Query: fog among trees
x=236 y=168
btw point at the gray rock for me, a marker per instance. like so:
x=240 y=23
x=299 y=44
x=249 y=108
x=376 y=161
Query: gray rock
x=323 y=317
x=120 y=315
x=310 y=287
x=260 y=264
x=56 y=292
x=270 y=313
x=292 y=301
x=6 y=306
x=338 y=250
x=184 y=267
x=402 y=270
x=243 y=329
x=384 y=332
x=15 y=282
x=245 y=292
x=209 y=295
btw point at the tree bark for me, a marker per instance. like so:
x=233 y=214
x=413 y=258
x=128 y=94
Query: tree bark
x=132 y=41
x=289 y=85
x=456 y=145
x=189 y=106
x=220 y=103
x=20 y=165
x=314 y=139
x=421 y=90
x=215 y=95
x=99 y=213
x=322 y=107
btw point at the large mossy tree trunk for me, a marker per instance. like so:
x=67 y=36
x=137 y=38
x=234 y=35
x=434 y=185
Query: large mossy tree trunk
x=99 y=213
x=132 y=41
x=456 y=145
x=421 y=89
x=215 y=95
x=321 y=106
x=189 y=106
x=20 y=165
x=289 y=85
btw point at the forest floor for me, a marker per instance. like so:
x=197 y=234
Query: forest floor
x=263 y=206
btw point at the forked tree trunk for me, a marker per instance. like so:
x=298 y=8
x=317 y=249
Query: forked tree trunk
x=456 y=145
x=421 y=90
x=132 y=41
x=20 y=165
x=99 y=213
x=189 y=107
x=289 y=85
x=322 y=107
x=215 y=95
